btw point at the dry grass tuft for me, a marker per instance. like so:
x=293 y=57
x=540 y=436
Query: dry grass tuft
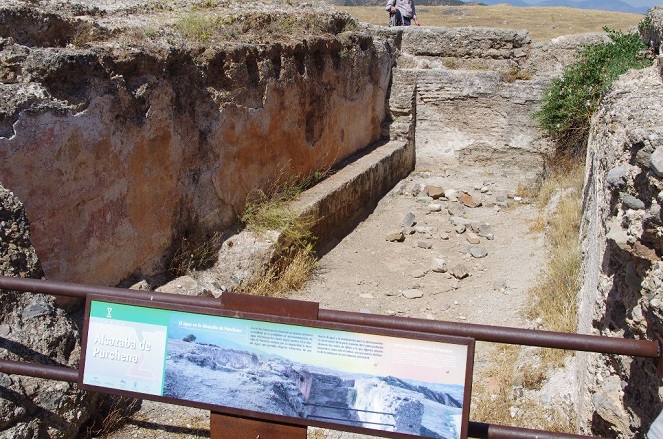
x=289 y=273
x=491 y=403
x=270 y=210
x=514 y=74
x=503 y=399
x=195 y=253
x=553 y=299
x=113 y=412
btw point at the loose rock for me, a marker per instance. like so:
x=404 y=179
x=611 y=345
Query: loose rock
x=395 y=236
x=472 y=238
x=460 y=272
x=478 y=252
x=409 y=220
x=469 y=201
x=417 y=274
x=413 y=294
x=439 y=265
x=435 y=192
x=456 y=209
x=451 y=194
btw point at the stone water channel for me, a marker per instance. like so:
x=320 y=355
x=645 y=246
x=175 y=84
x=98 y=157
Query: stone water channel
x=475 y=167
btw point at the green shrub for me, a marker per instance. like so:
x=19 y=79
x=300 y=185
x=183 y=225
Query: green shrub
x=571 y=100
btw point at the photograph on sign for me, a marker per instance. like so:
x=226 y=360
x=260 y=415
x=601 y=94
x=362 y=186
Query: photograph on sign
x=368 y=381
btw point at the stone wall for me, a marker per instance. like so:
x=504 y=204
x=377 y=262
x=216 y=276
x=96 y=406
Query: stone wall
x=652 y=31
x=477 y=89
x=622 y=289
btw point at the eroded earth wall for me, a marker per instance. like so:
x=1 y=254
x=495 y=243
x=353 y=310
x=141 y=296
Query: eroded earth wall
x=622 y=243
x=118 y=148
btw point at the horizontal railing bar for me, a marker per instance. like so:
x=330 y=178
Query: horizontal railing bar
x=495 y=334
x=501 y=334
x=81 y=291
x=58 y=373
x=493 y=431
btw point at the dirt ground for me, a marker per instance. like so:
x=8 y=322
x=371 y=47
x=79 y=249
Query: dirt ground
x=368 y=273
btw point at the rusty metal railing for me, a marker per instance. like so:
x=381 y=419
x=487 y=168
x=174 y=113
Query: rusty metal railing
x=495 y=334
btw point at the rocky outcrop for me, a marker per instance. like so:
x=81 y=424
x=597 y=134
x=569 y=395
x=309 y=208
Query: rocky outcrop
x=33 y=329
x=652 y=29
x=622 y=290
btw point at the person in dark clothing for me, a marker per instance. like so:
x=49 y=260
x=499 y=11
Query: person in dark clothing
x=401 y=12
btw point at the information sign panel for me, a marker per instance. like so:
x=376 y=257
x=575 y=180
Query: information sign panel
x=387 y=382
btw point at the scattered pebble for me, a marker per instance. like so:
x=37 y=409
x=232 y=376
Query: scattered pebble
x=425 y=245
x=418 y=274
x=409 y=220
x=460 y=272
x=439 y=265
x=478 y=251
x=472 y=238
x=395 y=236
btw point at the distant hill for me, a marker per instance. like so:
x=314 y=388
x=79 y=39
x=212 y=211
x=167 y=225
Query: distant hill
x=384 y=2
x=603 y=5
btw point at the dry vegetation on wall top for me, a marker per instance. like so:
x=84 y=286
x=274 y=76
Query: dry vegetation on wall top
x=182 y=22
x=543 y=23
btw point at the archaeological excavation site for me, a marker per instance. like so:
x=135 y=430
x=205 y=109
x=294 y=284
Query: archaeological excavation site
x=139 y=139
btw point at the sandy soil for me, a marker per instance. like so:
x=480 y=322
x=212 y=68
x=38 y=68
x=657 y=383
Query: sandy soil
x=367 y=273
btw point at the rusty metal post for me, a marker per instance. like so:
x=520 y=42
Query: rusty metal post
x=233 y=427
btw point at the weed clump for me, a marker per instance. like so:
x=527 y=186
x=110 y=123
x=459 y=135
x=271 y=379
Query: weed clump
x=271 y=211
x=194 y=253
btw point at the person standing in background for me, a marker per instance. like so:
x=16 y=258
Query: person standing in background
x=401 y=12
